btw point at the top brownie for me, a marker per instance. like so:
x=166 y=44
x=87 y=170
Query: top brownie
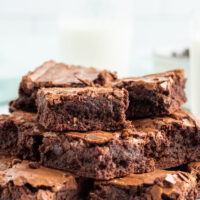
x=82 y=109
x=52 y=74
x=154 y=95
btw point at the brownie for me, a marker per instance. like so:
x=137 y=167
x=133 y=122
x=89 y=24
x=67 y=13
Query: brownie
x=171 y=140
x=28 y=180
x=96 y=154
x=52 y=74
x=154 y=95
x=194 y=169
x=82 y=109
x=156 y=185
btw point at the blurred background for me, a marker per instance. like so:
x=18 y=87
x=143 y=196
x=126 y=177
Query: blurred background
x=133 y=37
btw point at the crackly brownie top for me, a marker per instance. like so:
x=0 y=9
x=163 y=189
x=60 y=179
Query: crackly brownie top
x=70 y=93
x=24 y=172
x=181 y=117
x=152 y=81
x=169 y=177
x=60 y=74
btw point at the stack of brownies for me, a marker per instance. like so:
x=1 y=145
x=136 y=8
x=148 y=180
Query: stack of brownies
x=80 y=133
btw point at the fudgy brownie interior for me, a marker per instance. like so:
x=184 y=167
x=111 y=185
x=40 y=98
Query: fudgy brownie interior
x=82 y=109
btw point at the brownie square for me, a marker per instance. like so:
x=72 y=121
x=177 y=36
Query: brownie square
x=156 y=185
x=171 y=140
x=82 y=109
x=97 y=154
x=21 y=180
x=52 y=74
x=154 y=95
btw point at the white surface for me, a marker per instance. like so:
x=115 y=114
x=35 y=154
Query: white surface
x=4 y=110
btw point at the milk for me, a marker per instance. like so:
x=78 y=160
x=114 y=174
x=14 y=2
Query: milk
x=102 y=45
x=195 y=76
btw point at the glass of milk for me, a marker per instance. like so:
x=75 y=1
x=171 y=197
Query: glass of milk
x=104 y=45
x=195 y=64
